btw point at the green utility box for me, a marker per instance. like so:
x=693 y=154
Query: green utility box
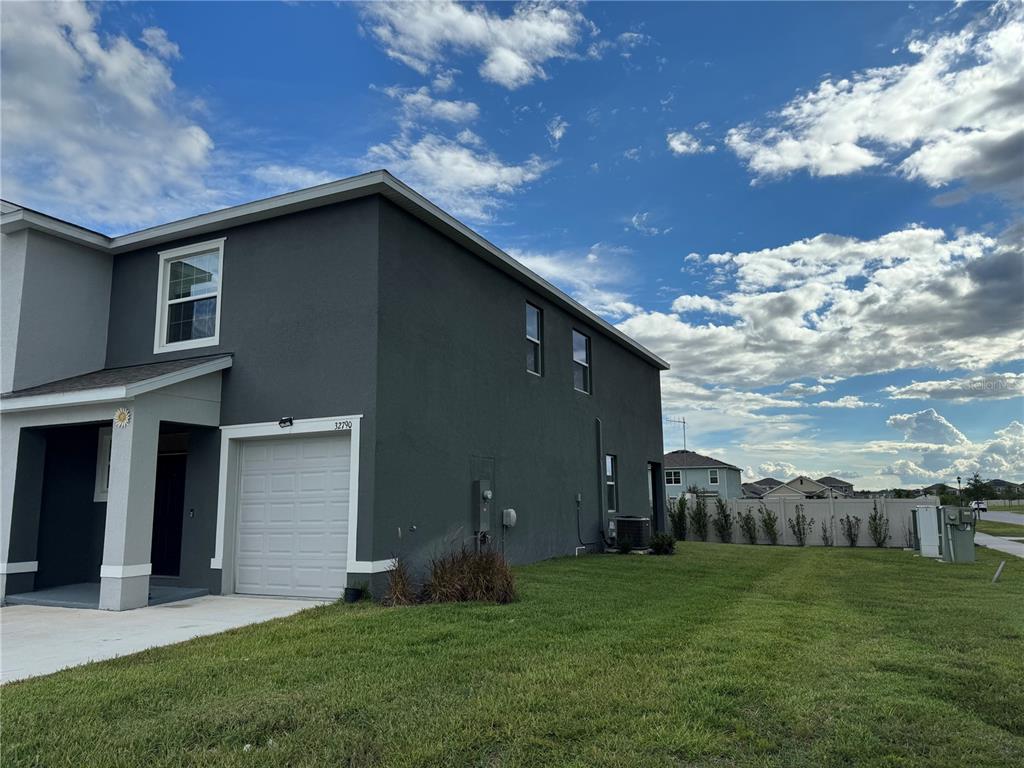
x=957 y=534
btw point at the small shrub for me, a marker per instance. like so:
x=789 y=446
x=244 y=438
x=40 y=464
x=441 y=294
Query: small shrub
x=464 y=575
x=677 y=518
x=769 y=524
x=850 y=527
x=878 y=526
x=826 y=534
x=699 y=518
x=722 y=521
x=400 y=586
x=663 y=544
x=624 y=545
x=800 y=526
x=748 y=525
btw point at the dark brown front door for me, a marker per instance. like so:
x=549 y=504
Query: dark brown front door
x=168 y=510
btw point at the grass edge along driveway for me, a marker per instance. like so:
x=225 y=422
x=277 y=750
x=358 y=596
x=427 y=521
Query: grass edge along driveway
x=721 y=655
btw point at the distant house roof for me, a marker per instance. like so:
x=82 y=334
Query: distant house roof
x=768 y=483
x=753 y=490
x=834 y=482
x=693 y=460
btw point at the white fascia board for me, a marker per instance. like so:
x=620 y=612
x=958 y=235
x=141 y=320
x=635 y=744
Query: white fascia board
x=375 y=182
x=111 y=394
x=25 y=219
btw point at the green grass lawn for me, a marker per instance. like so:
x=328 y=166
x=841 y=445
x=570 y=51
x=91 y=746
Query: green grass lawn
x=997 y=528
x=717 y=656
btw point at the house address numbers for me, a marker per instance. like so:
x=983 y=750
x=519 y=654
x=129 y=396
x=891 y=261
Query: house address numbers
x=339 y=425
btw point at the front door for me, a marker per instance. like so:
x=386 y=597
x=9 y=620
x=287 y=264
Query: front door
x=168 y=510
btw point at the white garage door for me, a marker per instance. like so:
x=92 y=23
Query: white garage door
x=293 y=516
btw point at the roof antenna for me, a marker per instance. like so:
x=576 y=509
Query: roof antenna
x=679 y=421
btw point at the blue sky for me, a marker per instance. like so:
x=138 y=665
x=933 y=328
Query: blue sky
x=813 y=211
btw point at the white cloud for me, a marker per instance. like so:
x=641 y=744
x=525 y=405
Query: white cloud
x=156 y=40
x=927 y=426
x=418 y=103
x=835 y=307
x=987 y=386
x=633 y=153
x=639 y=223
x=284 y=178
x=556 y=129
x=683 y=143
x=595 y=278
x=92 y=128
x=798 y=389
x=514 y=47
x=467 y=180
x=779 y=469
x=848 y=401
x=951 y=114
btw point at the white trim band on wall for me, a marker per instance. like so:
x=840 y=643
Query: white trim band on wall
x=125 y=571
x=25 y=567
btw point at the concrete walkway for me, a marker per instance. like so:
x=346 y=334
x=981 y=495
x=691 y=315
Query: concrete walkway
x=38 y=640
x=1015 y=548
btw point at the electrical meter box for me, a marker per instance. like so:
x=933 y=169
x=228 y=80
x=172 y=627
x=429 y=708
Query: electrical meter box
x=957 y=534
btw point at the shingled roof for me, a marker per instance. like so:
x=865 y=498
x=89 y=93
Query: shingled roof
x=692 y=460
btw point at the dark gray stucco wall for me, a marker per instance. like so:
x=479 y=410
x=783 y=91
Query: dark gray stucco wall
x=62 y=326
x=70 y=547
x=455 y=399
x=299 y=315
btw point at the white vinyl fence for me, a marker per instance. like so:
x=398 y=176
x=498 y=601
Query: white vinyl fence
x=1002 y=503
x=828 y=511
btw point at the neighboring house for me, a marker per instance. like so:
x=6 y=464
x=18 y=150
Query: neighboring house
x=840 y=487
x=753 y=490
x=687 y=468
x=281 y=397
x=798 y=488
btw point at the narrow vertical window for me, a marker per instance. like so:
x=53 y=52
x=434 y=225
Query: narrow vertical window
x=713 y=477
x=102 y=464
x=533 y=339
x=581 y=362
x=610 y=483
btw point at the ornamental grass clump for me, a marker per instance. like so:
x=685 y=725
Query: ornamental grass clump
x=663 y=544
x=400 y=585
x=463 y=576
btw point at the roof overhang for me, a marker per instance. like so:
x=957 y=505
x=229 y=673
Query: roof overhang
x=373 y=183
x=112 y=393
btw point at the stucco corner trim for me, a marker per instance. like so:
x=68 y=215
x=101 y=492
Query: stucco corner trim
x=24 y=567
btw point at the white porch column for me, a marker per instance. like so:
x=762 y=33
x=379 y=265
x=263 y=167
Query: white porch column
x=9 y=436
x=128 y=535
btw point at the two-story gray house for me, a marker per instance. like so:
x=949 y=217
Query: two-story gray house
x=280 y=397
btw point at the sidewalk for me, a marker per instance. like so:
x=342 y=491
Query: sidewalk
x=1015 y=548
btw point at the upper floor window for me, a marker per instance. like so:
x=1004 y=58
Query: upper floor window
x=581 y=362
x=188 y=296
x=673 y=477
x=533 y=339
x=712 y=477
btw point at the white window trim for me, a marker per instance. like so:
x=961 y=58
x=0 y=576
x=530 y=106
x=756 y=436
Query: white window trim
x=589 y=377
x=160 y=332
x=102 y=464
x=537 y=341
x=673 y=473
x=716 y=475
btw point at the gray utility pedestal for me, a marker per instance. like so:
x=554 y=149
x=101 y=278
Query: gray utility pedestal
x=957 y=534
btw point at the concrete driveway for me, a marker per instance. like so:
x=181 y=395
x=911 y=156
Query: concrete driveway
x=37 y=640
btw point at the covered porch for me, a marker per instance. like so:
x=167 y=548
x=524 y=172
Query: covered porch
x=108 y=486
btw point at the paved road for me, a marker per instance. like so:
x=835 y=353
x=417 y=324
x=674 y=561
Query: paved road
x=38 y=640
x=1003 y=517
